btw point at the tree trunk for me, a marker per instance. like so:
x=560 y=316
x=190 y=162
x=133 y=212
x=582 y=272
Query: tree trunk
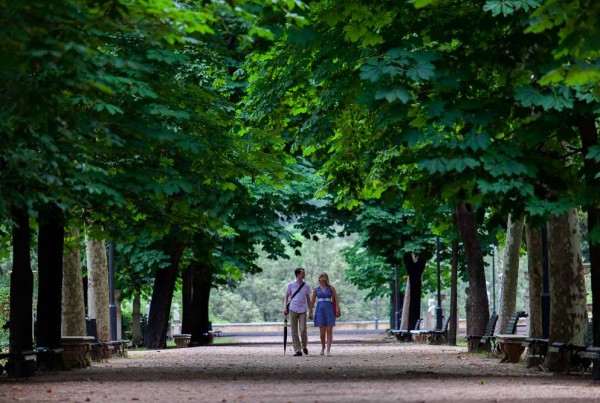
x=533 y=238
x=21 y=298
x=97 y=267
x=136 y=321
x=51 y=238
x=478 y=301
x=21 y=286
x=73 y=305
x=589 y=138
x=453 y=325
x=415 y=265
x=187 y=294
x=155 y=334
x=405 y=307
x=201 y=297
x=568 y=315
x=510 y=272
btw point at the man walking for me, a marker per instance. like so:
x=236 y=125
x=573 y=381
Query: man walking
x=296 y=303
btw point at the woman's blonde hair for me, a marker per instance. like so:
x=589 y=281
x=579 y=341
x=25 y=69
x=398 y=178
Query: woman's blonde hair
x=325 y=277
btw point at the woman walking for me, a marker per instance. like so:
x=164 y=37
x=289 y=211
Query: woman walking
x=327 y=309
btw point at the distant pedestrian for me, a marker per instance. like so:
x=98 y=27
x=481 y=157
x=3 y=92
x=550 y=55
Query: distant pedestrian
x=296 y=303
x=327 y=309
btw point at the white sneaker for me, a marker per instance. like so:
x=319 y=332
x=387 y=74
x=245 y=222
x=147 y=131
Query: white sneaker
x=327 y=353
x=322 y=352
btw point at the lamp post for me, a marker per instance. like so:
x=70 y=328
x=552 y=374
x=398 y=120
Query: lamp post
x=396 y=302
x=493 y=279
x=112 y=308
x=438 y=308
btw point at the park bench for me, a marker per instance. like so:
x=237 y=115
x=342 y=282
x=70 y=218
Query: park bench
x=578 y=360
x=510 y=328
x=439 y=336
x=483 y=342
x=406 y=335
x=20 y=364
x=593 y=354
x=49 y=358
x=101 y=351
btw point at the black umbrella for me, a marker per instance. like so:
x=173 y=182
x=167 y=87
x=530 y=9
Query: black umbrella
x=285 y=323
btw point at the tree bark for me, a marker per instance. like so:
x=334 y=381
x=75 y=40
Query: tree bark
x=478 y=300
x=155 y=334
x=510 y=272
x=405 y=308
x=136 y=321
x=201 y=297
x=568 y=315
x=415 y=265
x=97 y=267
x=21 y=296
x=589 y=138
x=21 y=286
x=51 y=236
x=533 y=238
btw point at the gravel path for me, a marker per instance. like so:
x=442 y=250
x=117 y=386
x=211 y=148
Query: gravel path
x=368 y=367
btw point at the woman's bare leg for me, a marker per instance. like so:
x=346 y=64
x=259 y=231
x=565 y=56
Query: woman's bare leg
x=329 y=337
x=322 y=335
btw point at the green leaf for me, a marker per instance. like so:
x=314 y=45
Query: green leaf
x=397 y=93
x=593 y=153
x=462 y=163
x=434 y=165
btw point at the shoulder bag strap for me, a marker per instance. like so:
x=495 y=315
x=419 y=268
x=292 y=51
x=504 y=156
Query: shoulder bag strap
x=294 y=294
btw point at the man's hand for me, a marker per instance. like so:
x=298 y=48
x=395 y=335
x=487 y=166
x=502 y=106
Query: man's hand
x=286 y=312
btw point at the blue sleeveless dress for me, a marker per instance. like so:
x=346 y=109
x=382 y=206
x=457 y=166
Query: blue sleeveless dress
x=324 y=315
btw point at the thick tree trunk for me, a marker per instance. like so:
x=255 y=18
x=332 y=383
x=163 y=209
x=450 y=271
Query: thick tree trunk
x=73 y=305
x=478 y=300
x=21 y=298
x=568 y=315
x=510 y=272
x=136 y=321
x=97 y=267
x=405 y=308
x=453 y=325
x=21 y=286
x=155 y=334
x=201 y=297
x=533 y=238
x=51 y=238
x=589 y=138
x=187 y=293
x=415 y=265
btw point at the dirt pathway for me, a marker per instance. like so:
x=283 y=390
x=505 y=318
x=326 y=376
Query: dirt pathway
x=371 y=369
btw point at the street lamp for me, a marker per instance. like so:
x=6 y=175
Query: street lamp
x=396 y=302
x=112 y=307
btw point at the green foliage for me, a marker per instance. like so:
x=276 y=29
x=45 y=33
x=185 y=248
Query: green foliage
x=259 y=297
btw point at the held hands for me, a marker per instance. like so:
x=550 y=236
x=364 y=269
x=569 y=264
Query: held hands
x=310 y=314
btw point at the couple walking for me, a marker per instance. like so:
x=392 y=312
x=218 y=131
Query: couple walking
x=299 y=301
